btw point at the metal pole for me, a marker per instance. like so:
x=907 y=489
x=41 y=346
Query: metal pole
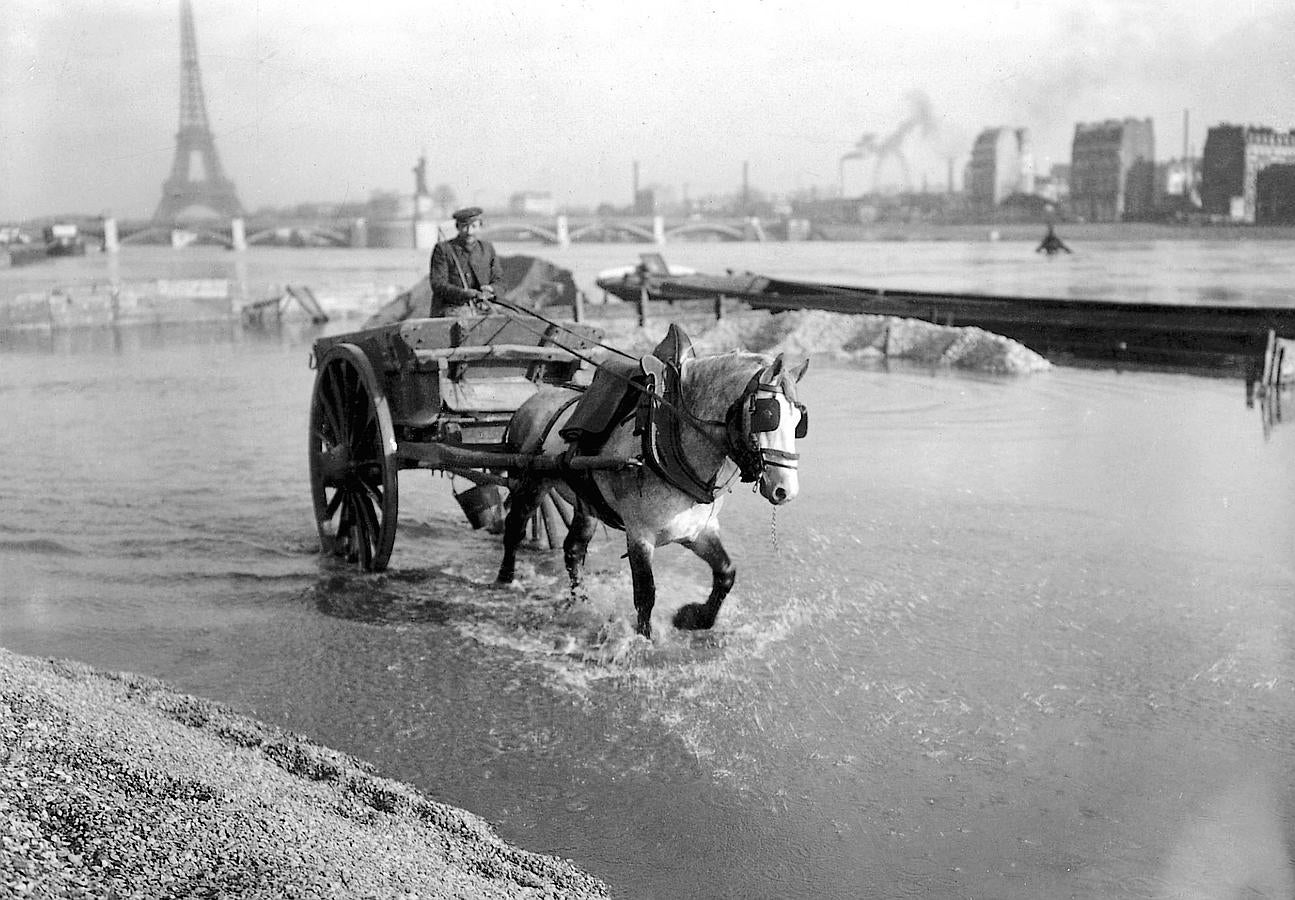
x=642 y=306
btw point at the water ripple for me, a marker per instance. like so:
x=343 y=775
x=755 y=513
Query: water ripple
x=39 y=547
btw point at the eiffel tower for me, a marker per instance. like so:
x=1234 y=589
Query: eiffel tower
x=182 y=191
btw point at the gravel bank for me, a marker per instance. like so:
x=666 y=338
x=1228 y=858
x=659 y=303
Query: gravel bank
x=802 y=333
x=114 y=785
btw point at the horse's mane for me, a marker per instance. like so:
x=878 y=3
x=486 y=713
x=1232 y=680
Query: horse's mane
x=712 y=383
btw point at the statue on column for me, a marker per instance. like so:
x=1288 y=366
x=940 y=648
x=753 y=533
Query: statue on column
x=420 y=177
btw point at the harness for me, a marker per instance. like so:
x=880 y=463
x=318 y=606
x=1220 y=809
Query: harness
x=662 y=414
x=650 y=391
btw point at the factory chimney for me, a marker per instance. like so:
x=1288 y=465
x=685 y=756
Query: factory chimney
x=636 y=181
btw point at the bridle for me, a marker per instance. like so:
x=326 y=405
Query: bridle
x=748 y=416
x=751 y=415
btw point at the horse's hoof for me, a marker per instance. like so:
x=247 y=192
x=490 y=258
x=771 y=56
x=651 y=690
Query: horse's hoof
x=571 y=600
x=693 y=617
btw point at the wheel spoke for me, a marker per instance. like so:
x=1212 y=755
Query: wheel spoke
x=369 y=436
x=356 y=399
x=331 y=509
x=373 y=492
x=354 y=526
x=329 y=402
x=368 y=530
x=345 y=525
x=369 y=516
x=369 y=472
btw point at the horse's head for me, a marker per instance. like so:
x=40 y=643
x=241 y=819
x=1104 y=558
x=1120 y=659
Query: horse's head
x=762 y=427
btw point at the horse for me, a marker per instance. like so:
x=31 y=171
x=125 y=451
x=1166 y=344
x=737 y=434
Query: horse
x=733 y=415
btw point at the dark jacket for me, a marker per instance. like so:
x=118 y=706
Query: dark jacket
x=457 y=272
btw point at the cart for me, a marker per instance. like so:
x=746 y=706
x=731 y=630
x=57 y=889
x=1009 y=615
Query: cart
x=432 y=394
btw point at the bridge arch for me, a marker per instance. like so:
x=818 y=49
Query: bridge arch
x=146 y=236
x=214 y=237
x=161 y=234
x=299 y=236
x=715 y=228
x=604 y=227
x=496 y=230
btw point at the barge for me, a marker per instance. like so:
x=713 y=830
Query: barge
x=1213 y=336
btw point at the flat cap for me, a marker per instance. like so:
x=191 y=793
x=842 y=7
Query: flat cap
x=467 y=214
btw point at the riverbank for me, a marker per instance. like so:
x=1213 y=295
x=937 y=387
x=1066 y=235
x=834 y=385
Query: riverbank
x=1129 y=232
x=114 y=784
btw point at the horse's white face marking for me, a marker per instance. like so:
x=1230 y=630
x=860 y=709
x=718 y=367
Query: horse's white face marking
x=779 y=482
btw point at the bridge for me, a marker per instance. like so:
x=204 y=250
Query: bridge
x=643 y=229
x=233 y=234
x=353 y=232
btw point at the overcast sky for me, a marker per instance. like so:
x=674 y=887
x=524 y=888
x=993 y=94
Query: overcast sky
x=329 y=100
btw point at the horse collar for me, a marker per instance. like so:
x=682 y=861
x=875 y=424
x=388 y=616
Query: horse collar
x=739 y=439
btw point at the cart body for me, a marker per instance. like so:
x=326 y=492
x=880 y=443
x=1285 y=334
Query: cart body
x=424 y=393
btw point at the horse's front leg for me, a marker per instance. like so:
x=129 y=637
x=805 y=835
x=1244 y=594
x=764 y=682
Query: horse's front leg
x=576 y=547
x=523 y=498
x=695 y=616
x=640 y=554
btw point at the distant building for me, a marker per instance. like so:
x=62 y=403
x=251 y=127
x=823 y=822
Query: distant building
x=1178 y=184
x=1001 y=165
x=1055 y=186
x=532 y=203
x=1248 y=174
x=645 y=202
x=1113 y=170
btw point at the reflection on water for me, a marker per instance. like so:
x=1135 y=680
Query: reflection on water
x=1270 y=404
x=1016 y=638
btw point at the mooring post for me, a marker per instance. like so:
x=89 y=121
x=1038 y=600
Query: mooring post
x=578 y=306
x=111 y=244
x=719 y=307
x=359 y=236
x=642 y=306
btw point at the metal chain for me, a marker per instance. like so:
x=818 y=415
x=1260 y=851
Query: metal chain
x=773 y=530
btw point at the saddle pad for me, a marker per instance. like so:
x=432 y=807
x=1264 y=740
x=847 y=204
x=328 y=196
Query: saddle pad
x=609 y=399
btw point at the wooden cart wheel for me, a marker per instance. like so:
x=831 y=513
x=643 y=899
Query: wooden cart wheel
x=353 y=469
x=551 y=519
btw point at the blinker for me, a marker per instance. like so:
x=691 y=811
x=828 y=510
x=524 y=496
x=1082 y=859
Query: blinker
x=766 y=415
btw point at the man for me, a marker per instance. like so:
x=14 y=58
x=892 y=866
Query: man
x=1051 y=243
x=465 y=272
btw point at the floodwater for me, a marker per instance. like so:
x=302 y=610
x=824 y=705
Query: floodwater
x=1018 y=638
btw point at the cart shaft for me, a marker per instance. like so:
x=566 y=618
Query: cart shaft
x=437 y=455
